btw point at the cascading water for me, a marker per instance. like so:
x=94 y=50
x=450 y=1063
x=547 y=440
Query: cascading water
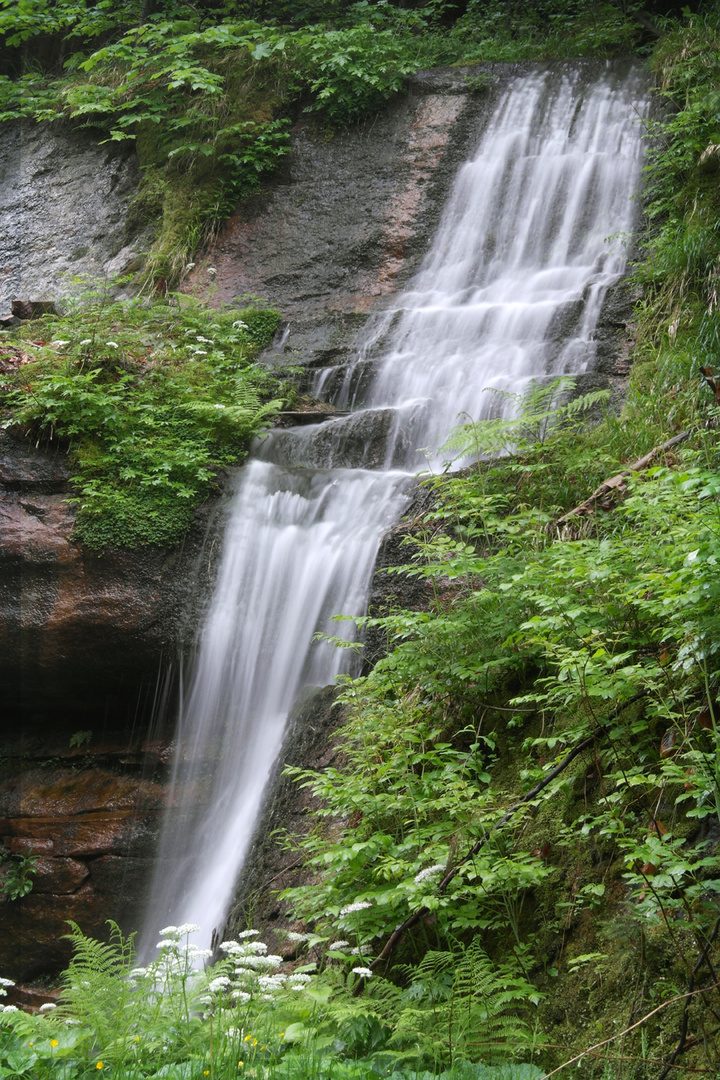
x=511 y=290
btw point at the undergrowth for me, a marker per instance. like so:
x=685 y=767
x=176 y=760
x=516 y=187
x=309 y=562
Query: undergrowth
x=148 y=400
x=245 y=1016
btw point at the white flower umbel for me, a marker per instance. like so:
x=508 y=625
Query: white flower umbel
x=428 y=872
x=364 y=972
x=359 y=905
x=298 y=980
x=6 y=982
x=258 y=963
x=338 y=945
x=187 y=928
x=297 y=939
x=221 y=983
x=47 y=1007
x=248 y=934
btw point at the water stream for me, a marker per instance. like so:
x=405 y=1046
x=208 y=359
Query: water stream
x=512 y=290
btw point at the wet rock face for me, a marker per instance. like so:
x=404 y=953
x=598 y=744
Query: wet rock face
x=63 y=202
x=345 y=225
x=82 y=632
x=90 y=829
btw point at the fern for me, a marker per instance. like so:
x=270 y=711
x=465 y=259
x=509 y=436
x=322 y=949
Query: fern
x=544 y=407
x=466 y=1007
x=97 y=990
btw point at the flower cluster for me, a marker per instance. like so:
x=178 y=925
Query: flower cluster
x=428 y=872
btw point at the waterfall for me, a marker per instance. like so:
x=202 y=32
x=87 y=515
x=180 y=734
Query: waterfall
x=511 y=291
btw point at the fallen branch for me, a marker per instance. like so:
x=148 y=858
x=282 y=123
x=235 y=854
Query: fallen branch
x=682 y=1042
x=620 y=1034
x=618 y=481
x=412 y=920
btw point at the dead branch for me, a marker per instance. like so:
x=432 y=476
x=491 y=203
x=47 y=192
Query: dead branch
x=412 y=920
x=617 y=482
x=620 y=1034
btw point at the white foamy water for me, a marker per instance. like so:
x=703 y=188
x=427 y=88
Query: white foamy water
x=511 y=291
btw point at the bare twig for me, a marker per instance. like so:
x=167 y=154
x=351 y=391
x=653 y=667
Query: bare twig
x=682 y=1041
x=618 y=481
x=637 y=1024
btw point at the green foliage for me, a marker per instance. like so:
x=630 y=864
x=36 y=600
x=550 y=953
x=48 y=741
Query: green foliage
x=17 y=874
x=244 y=1016
x=150 y=400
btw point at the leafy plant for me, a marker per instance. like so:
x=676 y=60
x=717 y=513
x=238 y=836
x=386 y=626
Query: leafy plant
x=149 y=401
x=18 y=873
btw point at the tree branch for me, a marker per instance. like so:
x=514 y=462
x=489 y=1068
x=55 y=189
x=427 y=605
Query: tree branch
x=412 y=920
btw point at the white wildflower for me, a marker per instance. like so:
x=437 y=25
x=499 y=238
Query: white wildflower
x=300 y=977
x=47 y=1007
x=219 y=406
x=59 y=344
x=190 y=266
x=197 y=953
x=428 y=872
x=291 y=935
x=206 y=340
x=112 y=344
x=6 y=982
x=3 y=993
x=338 y=945
x=248 y=934
x=211 y=271
x=241 y=997
x=167 y=943
x=359 y=905
x=169 y=931
x=199 y=352
x=221 y=983
x=187 y=928
x=365 y=972
x=266 y=997
x=271 y=982
x=86 y=341
x=240 y=325
x=138 y=973
x=257 y=963
x=9 y=1008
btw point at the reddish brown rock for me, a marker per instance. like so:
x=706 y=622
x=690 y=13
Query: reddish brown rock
x=93 y=832
x=59 y=876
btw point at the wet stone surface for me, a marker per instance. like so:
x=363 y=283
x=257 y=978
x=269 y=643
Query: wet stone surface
x=63 y=203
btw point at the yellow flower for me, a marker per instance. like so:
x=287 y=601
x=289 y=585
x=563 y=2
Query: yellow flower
x=53 y=1042
x=99 y=1065
x=282 y=1034
x=206 y=1072
x=31 y=1044
x=254 y=1042
x=247 y=1038
x=240 y=1064
x=263 y=1048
